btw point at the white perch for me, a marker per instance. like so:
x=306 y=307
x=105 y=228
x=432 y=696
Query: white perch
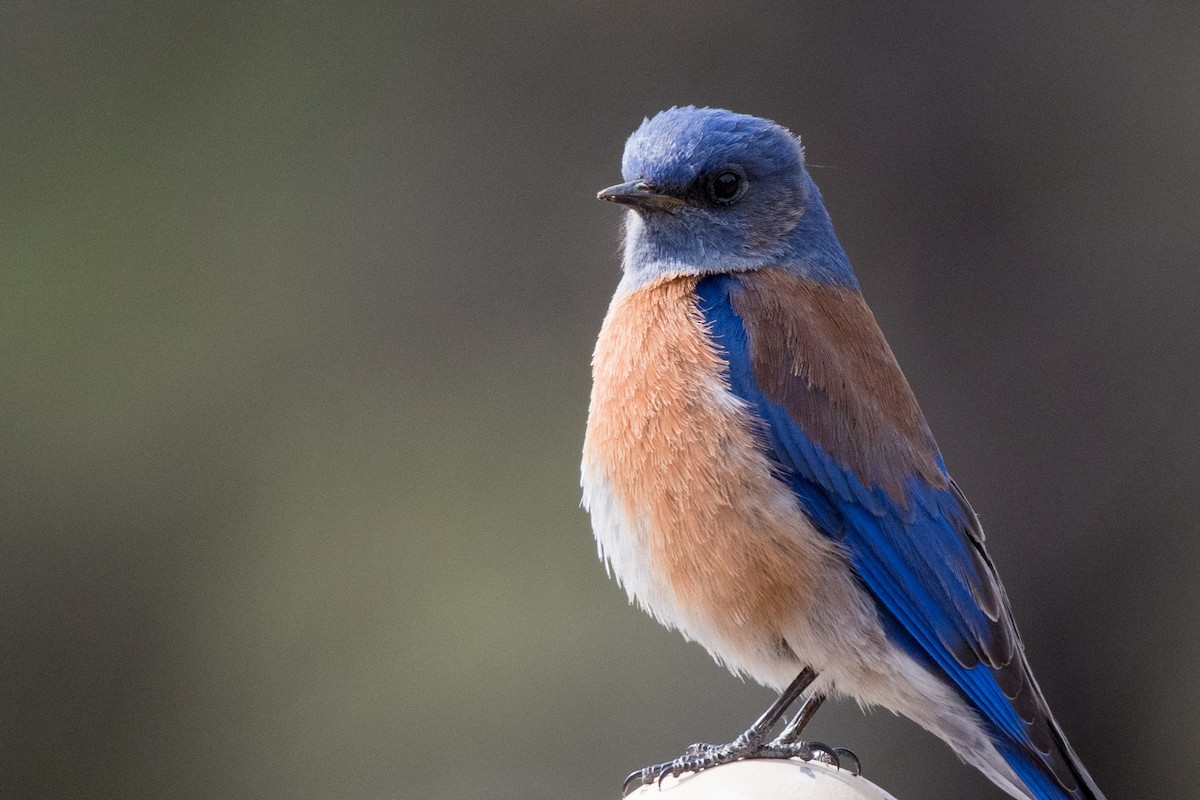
x=766 y=780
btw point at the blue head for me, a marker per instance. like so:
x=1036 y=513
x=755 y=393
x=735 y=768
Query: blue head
x=711 y=191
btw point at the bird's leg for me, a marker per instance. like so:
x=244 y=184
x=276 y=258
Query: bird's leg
x=791 y=733
x=750 y=744
x=788 y=744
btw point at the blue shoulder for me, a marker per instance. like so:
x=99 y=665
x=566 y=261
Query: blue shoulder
x=839 y=421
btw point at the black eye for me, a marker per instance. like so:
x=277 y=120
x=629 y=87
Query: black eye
x=726 y=186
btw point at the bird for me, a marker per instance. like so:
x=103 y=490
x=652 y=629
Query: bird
x=760 y=477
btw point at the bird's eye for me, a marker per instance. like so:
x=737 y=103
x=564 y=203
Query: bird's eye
x=727 y=186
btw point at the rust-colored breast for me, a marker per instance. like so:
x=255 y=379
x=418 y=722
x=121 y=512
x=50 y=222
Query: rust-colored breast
x=680 y=454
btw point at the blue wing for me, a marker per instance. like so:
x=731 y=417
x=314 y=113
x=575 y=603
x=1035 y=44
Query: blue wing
x=845 y=431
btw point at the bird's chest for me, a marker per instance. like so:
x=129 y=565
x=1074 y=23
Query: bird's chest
x=661 y=414
x=685 y=506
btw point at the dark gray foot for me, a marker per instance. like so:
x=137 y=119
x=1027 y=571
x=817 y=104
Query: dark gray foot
x=836 y=757
x=753 y=743
x=788 y=741
x=700 y=757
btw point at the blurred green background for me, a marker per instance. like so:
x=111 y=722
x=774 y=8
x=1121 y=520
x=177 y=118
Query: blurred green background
x=297 y=303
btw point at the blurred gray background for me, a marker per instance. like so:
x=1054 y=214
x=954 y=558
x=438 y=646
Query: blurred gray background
x=296 y=308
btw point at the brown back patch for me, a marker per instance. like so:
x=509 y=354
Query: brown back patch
x=817 y=351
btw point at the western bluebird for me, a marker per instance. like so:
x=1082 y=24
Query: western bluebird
x=760 y=476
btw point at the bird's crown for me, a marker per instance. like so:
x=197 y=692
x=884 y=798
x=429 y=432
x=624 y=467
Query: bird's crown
x=713 y=191
x=675 y=147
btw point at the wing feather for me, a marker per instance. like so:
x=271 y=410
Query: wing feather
x=842 y=424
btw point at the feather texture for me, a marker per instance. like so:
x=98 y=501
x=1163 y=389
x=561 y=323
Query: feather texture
x=843 y=427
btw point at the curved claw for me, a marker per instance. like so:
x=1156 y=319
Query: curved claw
x=635 y=781
x=674 y=771
x=844 y=753
x=825 y=754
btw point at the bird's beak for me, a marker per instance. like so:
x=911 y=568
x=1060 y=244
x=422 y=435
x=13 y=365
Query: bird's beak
x=640 y=195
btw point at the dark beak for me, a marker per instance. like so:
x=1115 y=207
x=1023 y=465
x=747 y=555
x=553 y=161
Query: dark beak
x=640 y=195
